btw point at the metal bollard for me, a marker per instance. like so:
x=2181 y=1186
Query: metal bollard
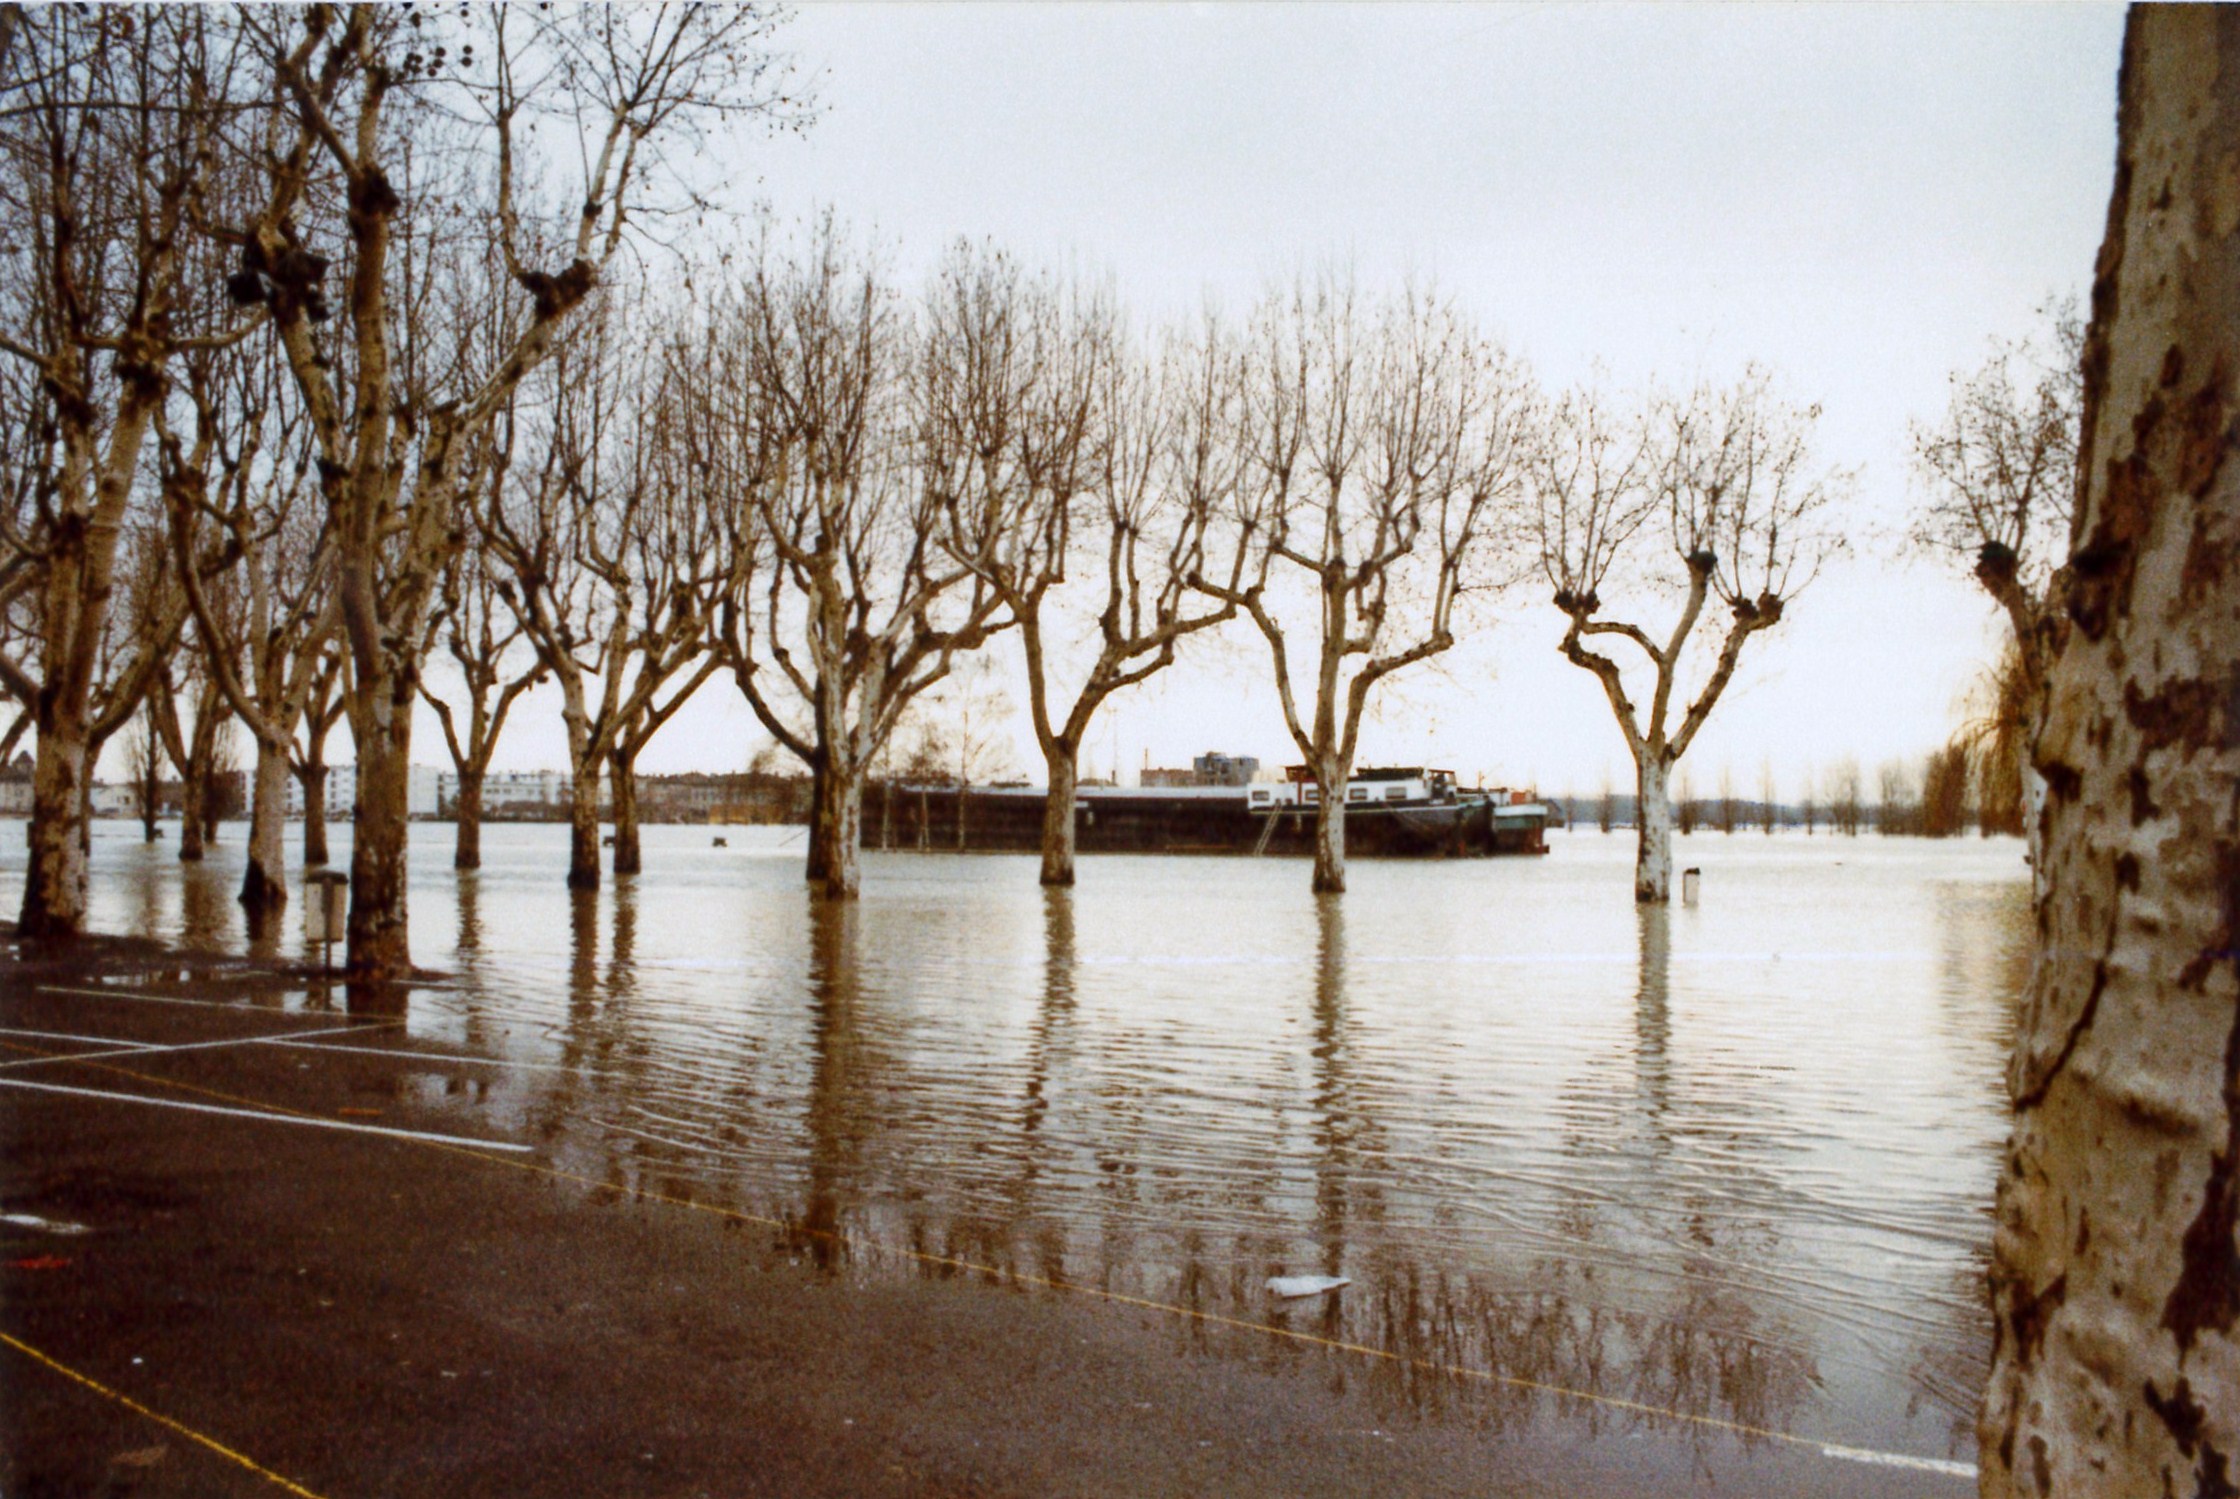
x=1690 y=880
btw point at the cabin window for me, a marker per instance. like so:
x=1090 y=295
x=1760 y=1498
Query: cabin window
x=1310 y=794
x=1262 y=798
x=1357 y=794
x=1395 y=793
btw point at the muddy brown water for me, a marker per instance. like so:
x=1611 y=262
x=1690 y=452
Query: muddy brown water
x=1723 y=1164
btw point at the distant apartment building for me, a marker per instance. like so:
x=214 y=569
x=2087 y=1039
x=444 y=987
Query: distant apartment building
x=508 y=792
x=342 y=792
x=1210 y=769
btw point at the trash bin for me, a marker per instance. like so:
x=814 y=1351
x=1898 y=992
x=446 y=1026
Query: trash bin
x=1689 y=881
x=326 y=906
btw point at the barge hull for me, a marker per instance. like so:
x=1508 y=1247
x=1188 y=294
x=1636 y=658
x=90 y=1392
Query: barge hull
x=1121 y=822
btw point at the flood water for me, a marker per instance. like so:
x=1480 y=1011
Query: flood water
x=1732 y=1161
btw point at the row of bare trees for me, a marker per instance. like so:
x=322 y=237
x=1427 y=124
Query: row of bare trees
x=270 y=278
x=331 y=370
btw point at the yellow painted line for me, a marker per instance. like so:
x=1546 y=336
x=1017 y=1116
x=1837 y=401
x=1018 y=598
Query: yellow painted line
x=287 y=1485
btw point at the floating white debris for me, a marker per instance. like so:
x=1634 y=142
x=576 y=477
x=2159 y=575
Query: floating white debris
x=44 y=1225
x=1292 y=1287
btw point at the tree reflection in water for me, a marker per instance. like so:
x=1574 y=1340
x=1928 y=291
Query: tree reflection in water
x=1623 y=1169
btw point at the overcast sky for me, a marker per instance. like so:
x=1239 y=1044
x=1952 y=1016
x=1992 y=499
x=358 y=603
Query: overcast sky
x=1859 y=197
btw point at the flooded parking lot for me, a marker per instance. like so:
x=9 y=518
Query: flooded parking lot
x=1719 y=1172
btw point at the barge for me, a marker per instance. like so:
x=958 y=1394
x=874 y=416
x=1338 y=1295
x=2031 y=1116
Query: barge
x=1391 y=811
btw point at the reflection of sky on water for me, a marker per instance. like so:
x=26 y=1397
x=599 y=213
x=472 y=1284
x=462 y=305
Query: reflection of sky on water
x=1734 y=1160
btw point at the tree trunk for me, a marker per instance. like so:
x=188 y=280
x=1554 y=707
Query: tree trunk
x=624 y=771
x=583 y=827
x=840 y=834
x=192 y=787
x=819 y=775
x=380 y=942
x=264 y=884
x=54 y=884
x=313 y=778
x=2033 y=828
x=1652 y=863
x=466 y=814
x=1058 y=817
x=2115 y=1275
x=1330 y=833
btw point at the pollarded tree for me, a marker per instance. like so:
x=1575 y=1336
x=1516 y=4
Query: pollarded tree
x=1715 y=493
x=1999 y=475
x=241 y=486
x=2115 y=1269
x=1383 y=446
x=1096 y=464
x=308 y=761
x=849 y=598
x=371 y=104
x=611 y=564
x=480 y=634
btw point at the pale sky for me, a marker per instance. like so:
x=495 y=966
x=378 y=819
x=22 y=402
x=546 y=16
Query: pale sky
x=1856 y=196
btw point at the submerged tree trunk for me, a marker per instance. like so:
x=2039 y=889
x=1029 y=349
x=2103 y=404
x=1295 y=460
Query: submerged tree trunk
x=583 y=827
x=192 y=787
x=2115 y=1276
x=838 y=834
x=1058 y=817
x=54 y=885
x=1330 y=832
x=1652 y=863
x=264 y=884
x=819 y=778
x=466 y=814
x=313 y=778
x=623 y=771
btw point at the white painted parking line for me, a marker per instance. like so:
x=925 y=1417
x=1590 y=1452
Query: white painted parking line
x=176 y=999
x=64 y=1036
x=309 y=1121
x=140 y=1050
x=1900 y=1460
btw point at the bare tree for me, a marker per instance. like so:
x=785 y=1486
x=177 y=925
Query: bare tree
x=144 y=761
x=854 y=602
x=1726 y=481
x=1729 y=808
x=1606 y=809
x=1383 y=445
x=480 y=633
x=107 y=144
x=1808 y=804
x=393 y=421
x=1999 y=480
x=612 y=565
x=1036 y=408
x=244 y=476
x=192 y=746
x=1845 y=807
x=322 y=710
x=2115 y=1271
